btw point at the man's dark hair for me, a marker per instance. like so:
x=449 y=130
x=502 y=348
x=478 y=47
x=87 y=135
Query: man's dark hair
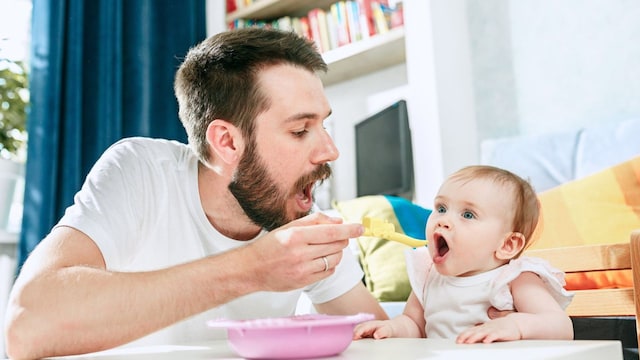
x=217 y=79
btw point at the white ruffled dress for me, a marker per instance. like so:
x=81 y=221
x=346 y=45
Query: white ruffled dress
x=453 y=304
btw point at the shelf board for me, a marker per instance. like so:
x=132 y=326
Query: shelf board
x=364 y=57
x=269 y=9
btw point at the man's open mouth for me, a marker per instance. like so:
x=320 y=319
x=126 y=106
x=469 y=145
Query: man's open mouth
x=307 y=191
x=304 y=197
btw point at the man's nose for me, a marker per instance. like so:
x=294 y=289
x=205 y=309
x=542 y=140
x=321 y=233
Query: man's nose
x=326 y=151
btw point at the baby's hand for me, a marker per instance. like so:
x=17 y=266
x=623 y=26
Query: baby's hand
x=502 y=329
x=377 y=329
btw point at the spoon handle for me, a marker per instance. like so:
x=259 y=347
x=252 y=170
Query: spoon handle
x=380 y=228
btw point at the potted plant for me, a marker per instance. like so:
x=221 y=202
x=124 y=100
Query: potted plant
x=14 y=99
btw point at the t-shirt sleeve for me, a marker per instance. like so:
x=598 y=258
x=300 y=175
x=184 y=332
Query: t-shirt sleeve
x=110 y=203
x=553 y=279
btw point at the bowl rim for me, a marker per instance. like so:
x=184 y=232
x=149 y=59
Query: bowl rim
x=294 y=321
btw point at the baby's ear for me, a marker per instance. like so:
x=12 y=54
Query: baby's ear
x=511 y=246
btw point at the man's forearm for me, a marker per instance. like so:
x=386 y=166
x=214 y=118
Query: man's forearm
x=81 y=309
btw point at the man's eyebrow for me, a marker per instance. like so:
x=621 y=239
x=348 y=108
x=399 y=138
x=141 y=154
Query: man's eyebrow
x=303 y=116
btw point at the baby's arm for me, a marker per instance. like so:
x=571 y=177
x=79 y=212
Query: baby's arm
x=410 y=324
x=538 y=316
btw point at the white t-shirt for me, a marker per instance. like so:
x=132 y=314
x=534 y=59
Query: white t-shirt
x=140 y=205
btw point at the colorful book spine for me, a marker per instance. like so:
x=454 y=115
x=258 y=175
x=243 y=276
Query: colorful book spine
x=324 y=31
x=314 y=28
x=353 y=20
x=367 y=26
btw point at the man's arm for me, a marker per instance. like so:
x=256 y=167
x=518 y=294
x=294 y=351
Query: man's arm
x=66 y=302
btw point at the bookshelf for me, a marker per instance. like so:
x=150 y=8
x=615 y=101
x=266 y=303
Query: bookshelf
x=346 y=62
x=364 y=57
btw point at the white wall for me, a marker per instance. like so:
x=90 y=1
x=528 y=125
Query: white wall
x=479 y=69
x=544 y=65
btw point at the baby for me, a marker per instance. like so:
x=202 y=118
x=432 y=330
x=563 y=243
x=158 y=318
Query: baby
x=483 y=218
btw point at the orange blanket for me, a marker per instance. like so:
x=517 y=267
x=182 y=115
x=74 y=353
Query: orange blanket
x=601 y=208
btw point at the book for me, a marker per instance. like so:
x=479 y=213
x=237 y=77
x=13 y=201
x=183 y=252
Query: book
x=332 y=28
x=353 y=20
x=367 y=25
x=305 y=28
x=339 y=12
x=379 y=17
x=284 y=23
x=314 y=28
x=231 y=6
x=324 y=31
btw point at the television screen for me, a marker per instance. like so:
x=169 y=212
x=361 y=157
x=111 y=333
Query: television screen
x=384 y=160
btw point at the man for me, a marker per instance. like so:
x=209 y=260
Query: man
x=163 y=237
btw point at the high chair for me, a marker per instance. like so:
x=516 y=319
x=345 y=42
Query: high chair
x=600 y=302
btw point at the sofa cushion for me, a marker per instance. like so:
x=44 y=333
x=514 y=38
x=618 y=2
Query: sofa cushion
x=552 y=159
x=545 y=160
x=606 y=145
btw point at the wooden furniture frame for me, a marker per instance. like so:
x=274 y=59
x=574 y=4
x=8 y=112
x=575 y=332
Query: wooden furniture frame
x=600 y=302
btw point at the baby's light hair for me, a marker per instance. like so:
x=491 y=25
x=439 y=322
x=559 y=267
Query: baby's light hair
x=527 y=205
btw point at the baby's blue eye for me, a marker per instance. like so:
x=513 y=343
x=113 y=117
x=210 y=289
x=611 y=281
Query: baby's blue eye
x=468 y=215
x=441 y=209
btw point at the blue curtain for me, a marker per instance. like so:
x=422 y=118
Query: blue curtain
x=101 y=70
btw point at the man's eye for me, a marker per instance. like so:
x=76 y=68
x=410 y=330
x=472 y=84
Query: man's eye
x=299 y=133
x=468 y=215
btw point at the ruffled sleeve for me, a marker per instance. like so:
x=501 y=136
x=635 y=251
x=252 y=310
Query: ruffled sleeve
x=418 y=266
x=553 y=278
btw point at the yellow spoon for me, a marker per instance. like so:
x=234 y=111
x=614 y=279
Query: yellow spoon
x=383 y=229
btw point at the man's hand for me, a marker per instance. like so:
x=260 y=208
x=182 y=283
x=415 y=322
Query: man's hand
x=302 y=252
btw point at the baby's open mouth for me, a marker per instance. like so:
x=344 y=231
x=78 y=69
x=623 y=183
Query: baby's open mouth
x=441 y=244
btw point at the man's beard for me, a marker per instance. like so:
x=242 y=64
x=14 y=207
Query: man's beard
x=259 y=196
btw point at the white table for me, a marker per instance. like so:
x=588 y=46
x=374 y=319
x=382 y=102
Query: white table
x=395 y=349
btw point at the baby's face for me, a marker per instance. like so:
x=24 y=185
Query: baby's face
x=470 y=221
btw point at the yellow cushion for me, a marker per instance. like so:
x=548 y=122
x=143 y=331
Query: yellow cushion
x=598 y=209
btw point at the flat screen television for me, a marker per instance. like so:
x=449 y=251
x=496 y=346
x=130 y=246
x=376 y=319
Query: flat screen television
x=384 y=158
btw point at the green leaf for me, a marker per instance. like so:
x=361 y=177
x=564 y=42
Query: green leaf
x=14 y=102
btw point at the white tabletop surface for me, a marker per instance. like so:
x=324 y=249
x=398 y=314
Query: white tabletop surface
x=394 y=349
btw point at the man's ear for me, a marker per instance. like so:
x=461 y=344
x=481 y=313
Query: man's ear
x=511 y=246
x=225 y=141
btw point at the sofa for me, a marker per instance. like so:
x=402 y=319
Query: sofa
x=588 y=181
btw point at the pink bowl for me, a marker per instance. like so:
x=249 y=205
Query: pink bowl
x=302 y=336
